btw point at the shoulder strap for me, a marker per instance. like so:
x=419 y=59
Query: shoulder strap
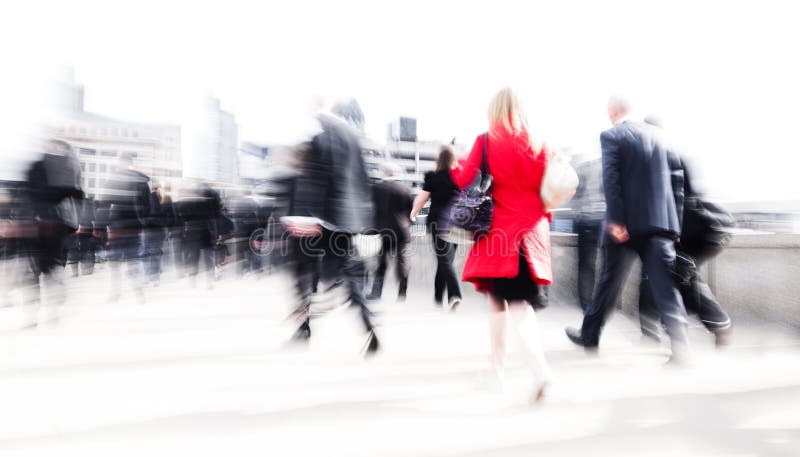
x=486 y=177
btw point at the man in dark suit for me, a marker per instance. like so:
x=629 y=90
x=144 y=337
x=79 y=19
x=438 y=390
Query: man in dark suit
x=643 y=186
x=393 y=201
x=49 y=207
x=333 y=187
x=129 y=207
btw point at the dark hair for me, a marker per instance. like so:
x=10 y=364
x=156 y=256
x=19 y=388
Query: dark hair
x=447 y=156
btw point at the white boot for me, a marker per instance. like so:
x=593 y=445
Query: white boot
x=531 y=347
x=497 y=344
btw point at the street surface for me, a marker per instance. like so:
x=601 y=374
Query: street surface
x=199 y=371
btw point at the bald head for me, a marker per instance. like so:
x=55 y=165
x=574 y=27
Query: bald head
x=618 y=107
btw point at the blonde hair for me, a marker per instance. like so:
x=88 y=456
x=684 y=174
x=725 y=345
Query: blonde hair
x=505 y=111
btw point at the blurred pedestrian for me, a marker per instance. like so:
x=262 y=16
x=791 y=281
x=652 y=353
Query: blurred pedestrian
x=129 y=212
x=512 y=261
x=643 y=186
x=393 y=201
x=53 y=193
x=83 y=247
x=333 y=189
x=200 y=215
x=440 y=189
x=160 y=223
x=590 y=208
x=704 y=233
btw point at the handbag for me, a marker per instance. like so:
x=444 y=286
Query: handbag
x=707 y=228
x=559 y=183
x=469 y=215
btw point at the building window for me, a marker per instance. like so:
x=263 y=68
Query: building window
x=92 y=167
x=88 y=152
x=83 y=166
x=103 y=168
x=108 y=153
x=92 y=183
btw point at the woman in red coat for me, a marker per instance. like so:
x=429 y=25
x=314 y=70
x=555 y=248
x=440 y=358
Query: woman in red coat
x=513 y=259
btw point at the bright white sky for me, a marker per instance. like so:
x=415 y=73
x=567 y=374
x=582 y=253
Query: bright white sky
x=724 y=76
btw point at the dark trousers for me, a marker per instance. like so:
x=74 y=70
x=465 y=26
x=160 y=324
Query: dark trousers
x=82 y=254
x=588 y=247
x=392 y=246
x=330 y=256
x=445 y=273
x=658 y=259
x=47 y=256
x=697 y=297
x=195 y=249
x=124 y=250
x=152 y=251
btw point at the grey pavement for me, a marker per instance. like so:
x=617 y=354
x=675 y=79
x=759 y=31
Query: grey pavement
x=201 y=371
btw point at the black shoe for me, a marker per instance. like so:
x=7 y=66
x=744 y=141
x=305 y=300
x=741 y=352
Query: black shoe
x=301 y=336
x=372 y=346
x=373 y=297
x=575 y=336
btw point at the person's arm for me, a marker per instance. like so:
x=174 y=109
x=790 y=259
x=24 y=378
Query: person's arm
x=465 y=173
x=612 y=187
x=678 y=181
x=419 y=202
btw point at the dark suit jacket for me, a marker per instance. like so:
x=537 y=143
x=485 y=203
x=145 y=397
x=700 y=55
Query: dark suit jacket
x=334 y=185
x=393 y=202
x=642 y=180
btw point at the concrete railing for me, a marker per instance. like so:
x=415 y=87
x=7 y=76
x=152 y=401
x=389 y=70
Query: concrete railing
x=757 y=278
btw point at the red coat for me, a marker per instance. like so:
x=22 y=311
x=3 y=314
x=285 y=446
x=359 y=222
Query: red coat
x=519 y=216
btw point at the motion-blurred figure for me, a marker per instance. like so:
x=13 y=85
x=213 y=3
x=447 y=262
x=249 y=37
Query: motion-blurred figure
x=159 y=225
x=333 y=188
x=200 y=216
x=705 y=232
x=393 y=202
x=589 y=208
x=643 y=186
x=53 y=195
x=83 y=249
x=128 y=215
x=440 y=189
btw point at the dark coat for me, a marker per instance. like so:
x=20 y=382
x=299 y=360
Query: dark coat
x=642 y=180
x=333 y=185
x=54 y=183
x=393 y=203
x=131 y=205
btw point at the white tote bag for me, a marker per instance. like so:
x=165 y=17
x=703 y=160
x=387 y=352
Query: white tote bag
x=559 y=183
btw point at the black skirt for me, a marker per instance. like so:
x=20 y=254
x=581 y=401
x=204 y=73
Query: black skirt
x=520 y=287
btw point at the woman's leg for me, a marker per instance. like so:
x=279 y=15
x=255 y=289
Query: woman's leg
x=497 y=336
x=453 y=288
x=439 y=280
x=527 y=328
